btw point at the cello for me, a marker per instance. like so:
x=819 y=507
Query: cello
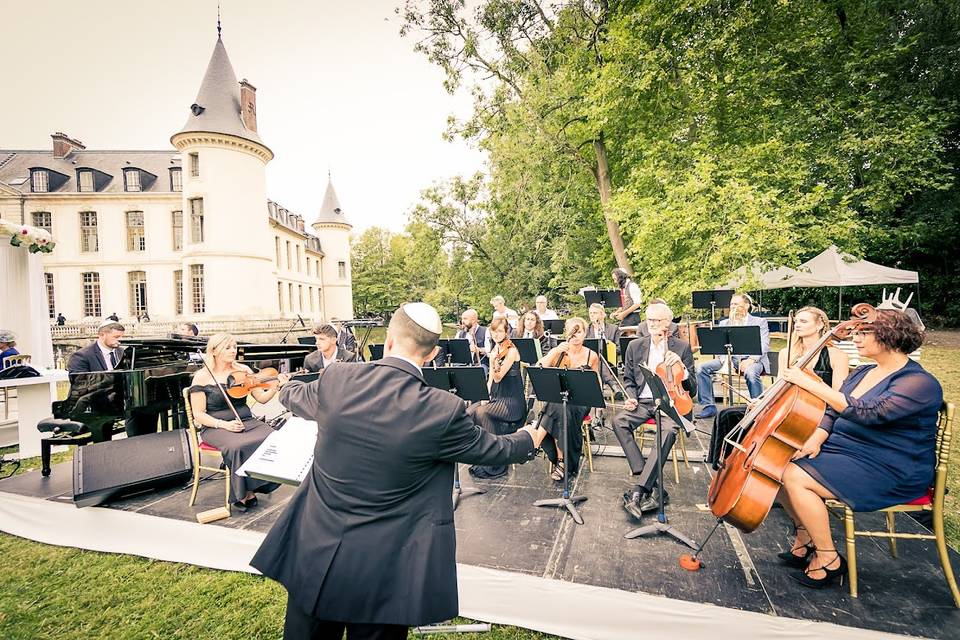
x=749 y=478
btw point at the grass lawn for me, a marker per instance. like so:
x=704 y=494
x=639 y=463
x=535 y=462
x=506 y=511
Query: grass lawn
x=65 y=593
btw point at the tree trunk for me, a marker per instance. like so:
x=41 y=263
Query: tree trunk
x=602 y=174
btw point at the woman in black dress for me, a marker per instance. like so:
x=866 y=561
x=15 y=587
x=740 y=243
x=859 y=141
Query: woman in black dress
x=219 y=427
x=831 y=365
x=874 y=448
x=567 y=355
x=507 y=404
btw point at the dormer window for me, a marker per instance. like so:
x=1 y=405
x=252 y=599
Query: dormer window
x=131 y=180
x=176 y=179
x=85 y=182
x=39 y=180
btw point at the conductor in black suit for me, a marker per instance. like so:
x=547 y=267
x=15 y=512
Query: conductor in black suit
x=650 y=350
x=367 y=543
x=328 y=350
x=103 y=354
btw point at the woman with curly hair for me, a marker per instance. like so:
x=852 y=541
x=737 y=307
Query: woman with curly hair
x=874 y=448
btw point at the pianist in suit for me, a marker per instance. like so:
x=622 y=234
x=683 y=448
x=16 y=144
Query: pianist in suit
x=104 y=354
x=328 y=349
x=367 y=542
x=219 y=427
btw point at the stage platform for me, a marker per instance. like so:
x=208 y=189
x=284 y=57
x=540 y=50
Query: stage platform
x=502 y=530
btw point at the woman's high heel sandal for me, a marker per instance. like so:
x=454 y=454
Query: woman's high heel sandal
x=557 y=473
x=791 y=559
x=830 y=574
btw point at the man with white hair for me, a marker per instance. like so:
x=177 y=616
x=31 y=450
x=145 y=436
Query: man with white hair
x=367 y=543
x=650 y=350
x=542 y=311
x=501 y=310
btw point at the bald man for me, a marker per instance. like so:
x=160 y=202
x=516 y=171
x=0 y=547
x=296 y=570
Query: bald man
x=472 y=330
x=367 y=543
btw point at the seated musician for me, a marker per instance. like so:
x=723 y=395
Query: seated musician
x=8 y=345
x=599 y=328
x=346 y=340
x=831 y=364
x=532 y=327
x=874 y=448
x=472 y=330
x=751 y=367
x=672 y=330
x=543 y=311
x=570 y=354
x=650 y=351
x=507 y=402
x=104 y=354
x=501 y=310
x=219 y=427
x=187 y=330
x=328 y=350
x=631 y=299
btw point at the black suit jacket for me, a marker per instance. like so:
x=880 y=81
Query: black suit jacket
x=346 y=340
x=637 y=354
x=90 y=358
x=369 y=536
x=314 y=360
x=610 y=331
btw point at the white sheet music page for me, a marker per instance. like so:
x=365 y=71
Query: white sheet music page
x=286 y=455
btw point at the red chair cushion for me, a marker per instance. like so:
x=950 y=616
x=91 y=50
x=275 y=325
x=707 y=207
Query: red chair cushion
x=208 y=447
x=650 y=421
x=587 y=418
x=926 y=498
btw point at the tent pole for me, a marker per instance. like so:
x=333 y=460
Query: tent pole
x=840 y=305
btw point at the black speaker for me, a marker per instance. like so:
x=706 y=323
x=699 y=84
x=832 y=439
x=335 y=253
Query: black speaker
x=108 y=470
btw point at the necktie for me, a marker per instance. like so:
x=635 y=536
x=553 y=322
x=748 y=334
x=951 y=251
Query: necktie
x=113 y=359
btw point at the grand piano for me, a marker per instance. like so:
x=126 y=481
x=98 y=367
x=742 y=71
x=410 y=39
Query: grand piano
x=149 y=379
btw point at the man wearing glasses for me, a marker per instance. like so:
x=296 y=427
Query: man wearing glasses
x=649 y=351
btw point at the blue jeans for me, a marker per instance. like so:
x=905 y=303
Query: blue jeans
x=705 y=379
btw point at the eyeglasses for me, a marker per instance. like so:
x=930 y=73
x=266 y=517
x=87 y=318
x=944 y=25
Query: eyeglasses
x=657 y=320
x=859 y=333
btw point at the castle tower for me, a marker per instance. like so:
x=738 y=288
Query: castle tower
x=227 y=266
x=332 y=228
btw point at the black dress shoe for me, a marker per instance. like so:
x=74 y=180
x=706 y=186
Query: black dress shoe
x=631 y=503
x=651 y=502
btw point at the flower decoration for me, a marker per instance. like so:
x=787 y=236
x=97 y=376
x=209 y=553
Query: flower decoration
x=36 y=240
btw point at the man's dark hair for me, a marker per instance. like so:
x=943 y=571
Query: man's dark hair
x=191 y=327
x=326 y=330
x=113 y=326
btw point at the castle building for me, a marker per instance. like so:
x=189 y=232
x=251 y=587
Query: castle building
x=186 y=232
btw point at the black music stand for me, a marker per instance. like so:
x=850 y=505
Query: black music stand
x=456 y=350
x=376 y=351
x=711 y=300
x=529 y=348
x=470 y=384
x=718 y=341
x=662 y=405
x=609 y=298
x=307 y=340
x=553 y=327
x=599 y=346
x=576 y=386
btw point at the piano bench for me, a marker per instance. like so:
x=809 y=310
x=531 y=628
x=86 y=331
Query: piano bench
x=64 y=432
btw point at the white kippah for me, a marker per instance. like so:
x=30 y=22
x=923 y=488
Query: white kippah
x=424 y=315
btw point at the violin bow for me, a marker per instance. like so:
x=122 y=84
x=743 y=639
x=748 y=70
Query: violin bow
x=223 y=393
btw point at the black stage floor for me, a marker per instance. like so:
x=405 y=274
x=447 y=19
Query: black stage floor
x=502 y=530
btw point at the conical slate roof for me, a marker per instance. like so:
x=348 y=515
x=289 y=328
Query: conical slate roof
x=330 y=211
x=217 y=107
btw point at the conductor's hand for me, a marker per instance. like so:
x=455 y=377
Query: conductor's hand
x=630 y=404
x=231 y=425
x=670 y=358
x=538 y=434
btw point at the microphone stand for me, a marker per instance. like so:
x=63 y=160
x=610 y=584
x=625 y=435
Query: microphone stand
x=283 y=340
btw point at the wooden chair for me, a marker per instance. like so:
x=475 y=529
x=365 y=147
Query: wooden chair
x=9 y=361
x=932 y=502
x=198 y=449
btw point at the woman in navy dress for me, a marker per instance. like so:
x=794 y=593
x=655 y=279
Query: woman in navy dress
x=874 y=448
x=507 y=404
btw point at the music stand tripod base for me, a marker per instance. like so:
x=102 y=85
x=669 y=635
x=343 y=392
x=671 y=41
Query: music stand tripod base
x=460 y=490
x=570 y=504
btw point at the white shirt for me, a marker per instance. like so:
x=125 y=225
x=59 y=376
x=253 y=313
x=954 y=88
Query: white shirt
x=327 y=363
x=507 y=313
x=657 y=354
x=548 y=314
x=106 y=355
x=634 y=290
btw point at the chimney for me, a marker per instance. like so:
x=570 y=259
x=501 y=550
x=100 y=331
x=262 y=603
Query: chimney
x=64 y=145
x=248 y=105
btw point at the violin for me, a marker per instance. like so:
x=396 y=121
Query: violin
x=782 y=420
x=504 y=348
x=241 y=382
x=673 y=380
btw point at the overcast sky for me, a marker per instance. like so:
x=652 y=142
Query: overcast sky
x=337 y=89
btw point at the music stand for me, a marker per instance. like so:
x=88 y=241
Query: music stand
x=609 y=298
x=711 y=300
x=576 y=386
x=376 y=351
x=470 y=384
x=662 y=405
x=457 y=350
x=598 y=346
x=529 y=348
x=553 y=327
x=742 y=341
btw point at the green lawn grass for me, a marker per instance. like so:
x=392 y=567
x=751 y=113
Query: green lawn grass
x=48 y=591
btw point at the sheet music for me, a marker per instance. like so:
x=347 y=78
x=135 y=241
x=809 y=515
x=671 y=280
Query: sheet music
x=285 y=455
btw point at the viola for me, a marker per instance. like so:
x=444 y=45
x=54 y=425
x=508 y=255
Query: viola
x=673 y=380
x=504 y=348
x=784 y=418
